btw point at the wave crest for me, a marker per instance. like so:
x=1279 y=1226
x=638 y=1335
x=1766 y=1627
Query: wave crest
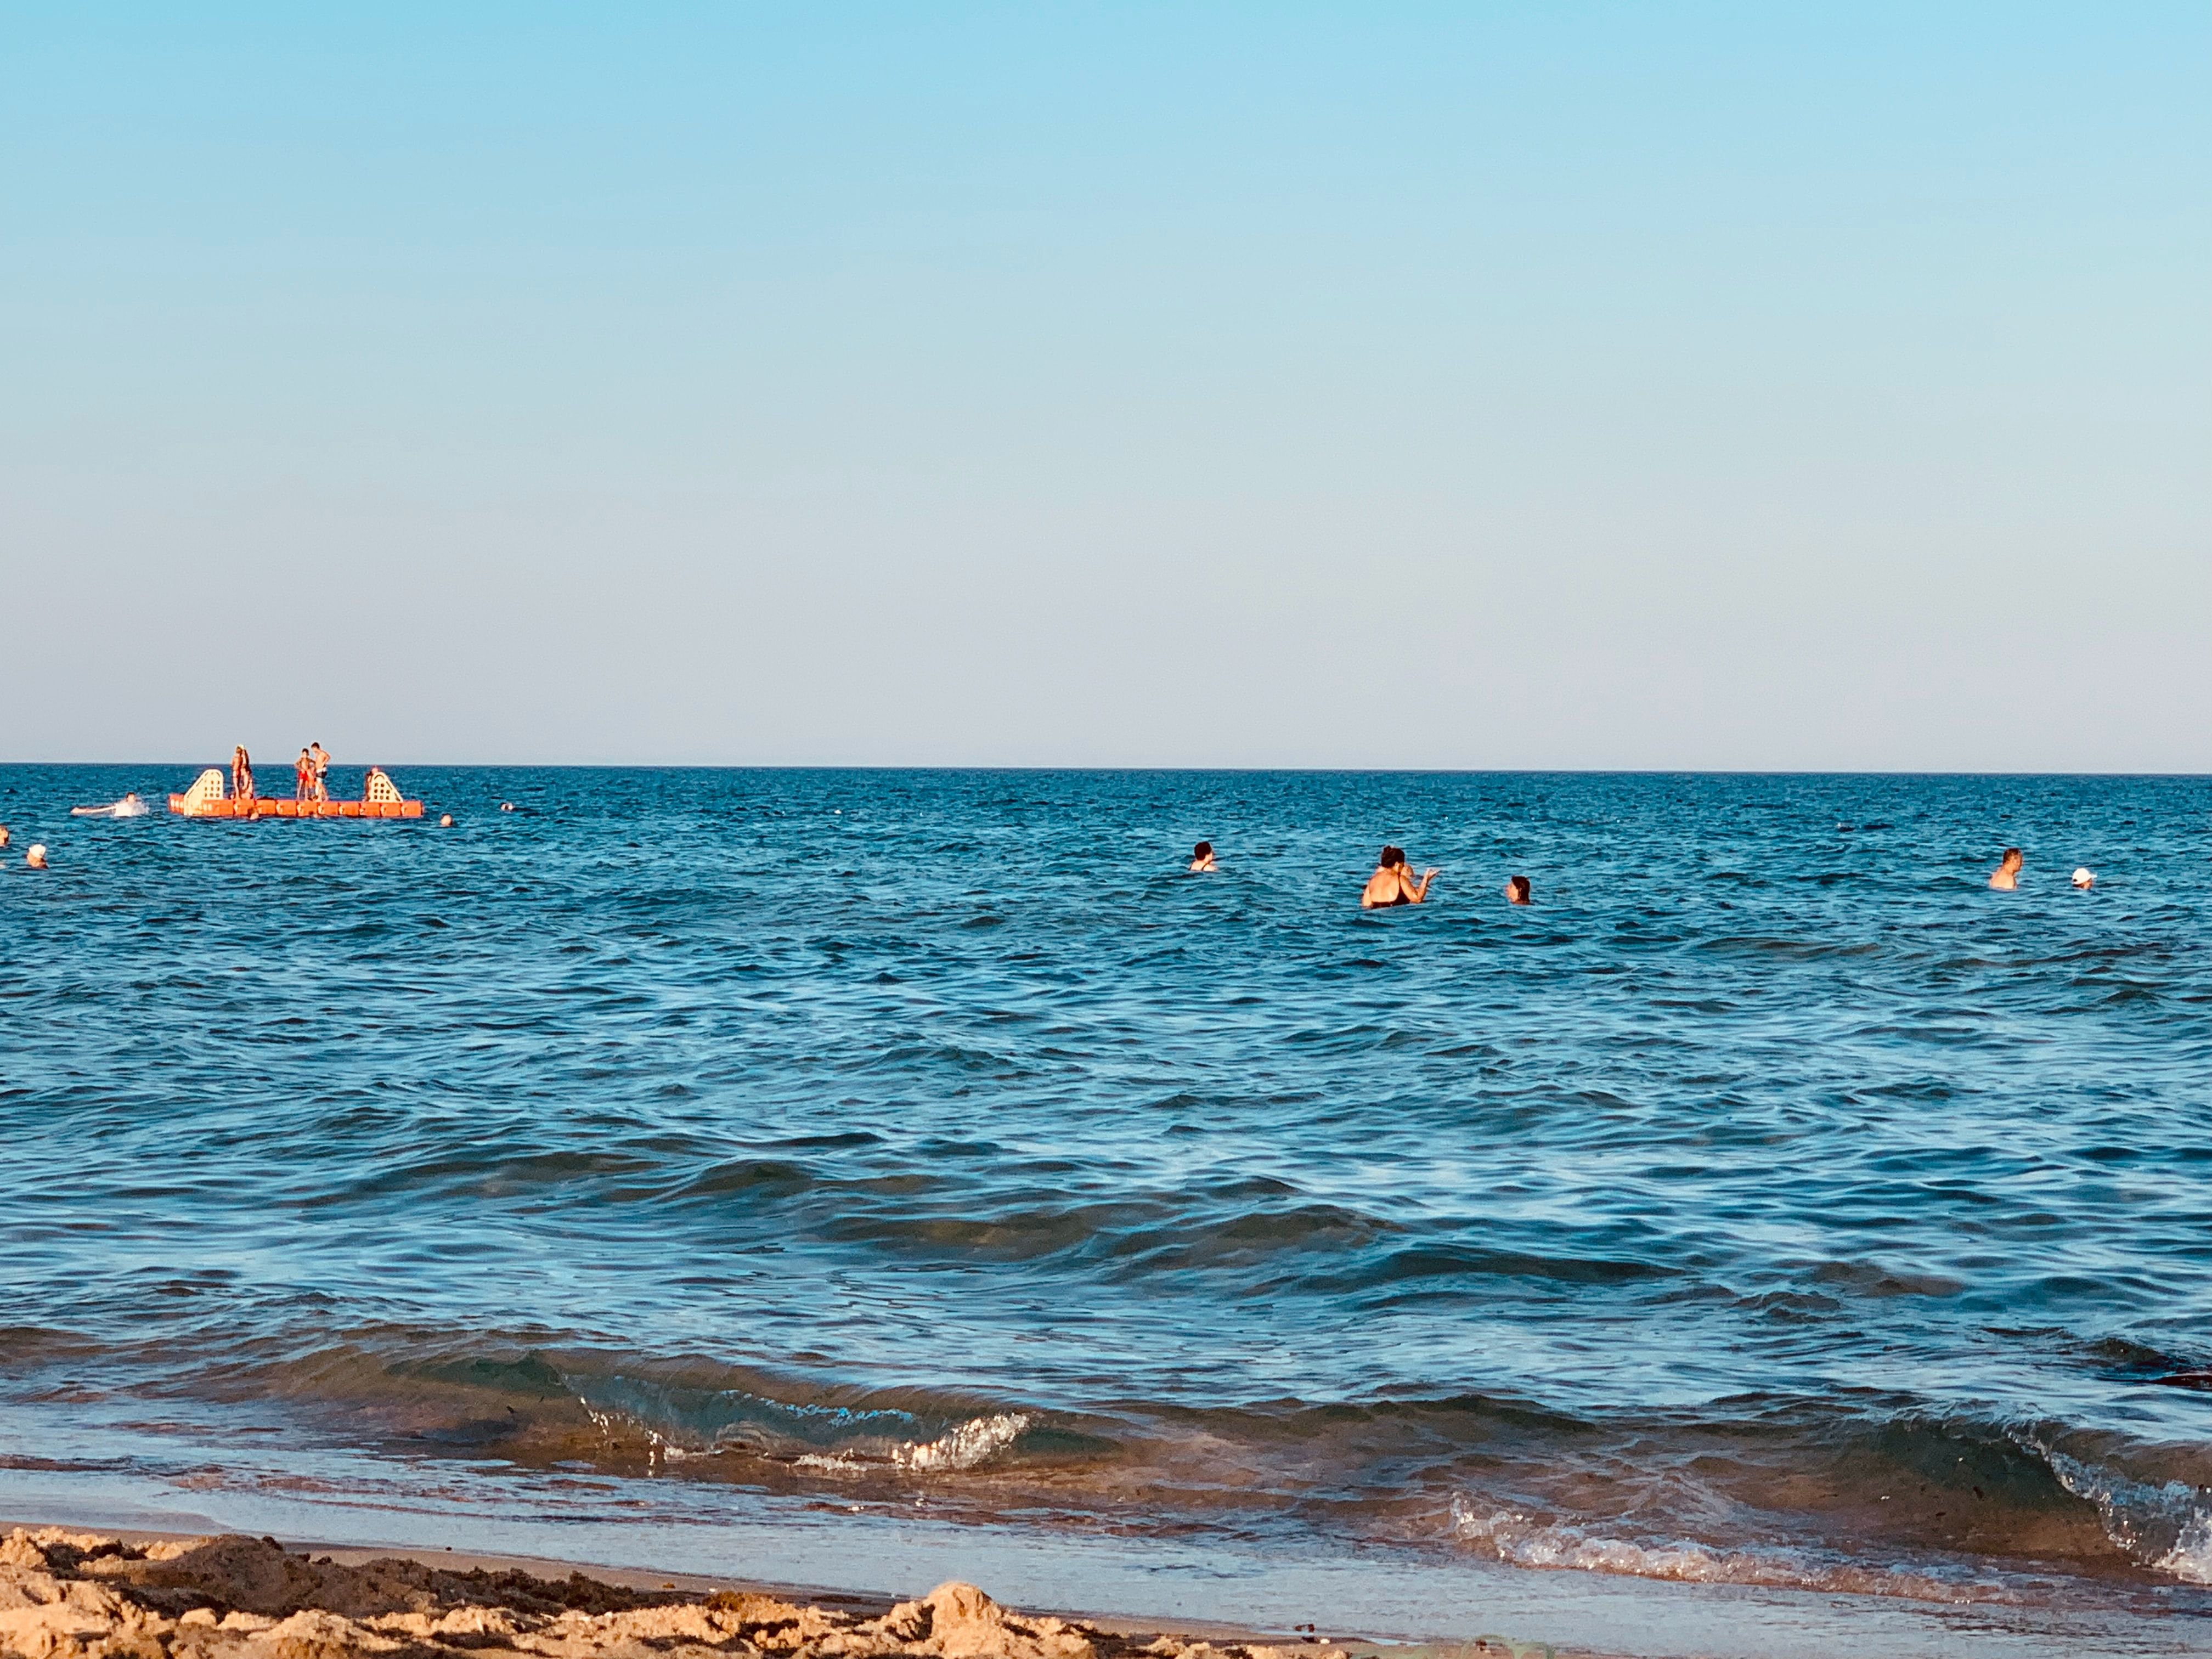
x=680 y=1423
x=1522 y=1541
x=2166 y=1528
x=964 y=1446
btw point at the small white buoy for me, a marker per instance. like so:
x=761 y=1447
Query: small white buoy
x=2085 y=877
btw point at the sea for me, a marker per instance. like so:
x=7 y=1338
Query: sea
x=1770 y=1241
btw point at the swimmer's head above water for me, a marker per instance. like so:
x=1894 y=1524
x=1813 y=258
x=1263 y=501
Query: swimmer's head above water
x=2006 y=877
x=1201 y=856
x=35 y=859
x=1516 y=890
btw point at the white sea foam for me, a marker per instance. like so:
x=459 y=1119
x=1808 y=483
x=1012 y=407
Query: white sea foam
x=1527 y=1542
x=2168 y=1528
x=1523 y=1540
x=2191 y=1557
x=962 y=1447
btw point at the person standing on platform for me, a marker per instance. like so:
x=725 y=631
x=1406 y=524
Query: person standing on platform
x=242 y=774
x=303 y=777
x=321 y=757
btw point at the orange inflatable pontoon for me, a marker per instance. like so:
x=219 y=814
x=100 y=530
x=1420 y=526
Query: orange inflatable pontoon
x=209 y=798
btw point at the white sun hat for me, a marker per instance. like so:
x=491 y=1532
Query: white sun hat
x=2085 y=877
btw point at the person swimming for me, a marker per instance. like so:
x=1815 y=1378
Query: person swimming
x=1516 y=890
x=2085 y=877
x=2006 y=877
x=1393 y=884
x=35 y=859
x=129 y=807
x=1201 y=857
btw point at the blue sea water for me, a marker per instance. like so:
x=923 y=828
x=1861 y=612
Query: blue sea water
x=1771 y=1204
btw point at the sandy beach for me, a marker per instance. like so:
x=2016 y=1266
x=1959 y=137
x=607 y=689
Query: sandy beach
x=104 y=1595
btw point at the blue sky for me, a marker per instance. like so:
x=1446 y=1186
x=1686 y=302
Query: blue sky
x=1474 y=385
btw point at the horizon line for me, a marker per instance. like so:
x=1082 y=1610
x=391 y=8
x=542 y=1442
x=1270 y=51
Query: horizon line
x=1254 y=770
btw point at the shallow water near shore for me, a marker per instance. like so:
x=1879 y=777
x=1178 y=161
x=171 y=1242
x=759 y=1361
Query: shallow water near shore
x=1770 y=1210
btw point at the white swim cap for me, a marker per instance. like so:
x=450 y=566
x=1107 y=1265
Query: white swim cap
x=37 y=850
x=2085 y=877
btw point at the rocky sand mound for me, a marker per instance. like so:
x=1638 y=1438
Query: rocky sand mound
x=77 y=1596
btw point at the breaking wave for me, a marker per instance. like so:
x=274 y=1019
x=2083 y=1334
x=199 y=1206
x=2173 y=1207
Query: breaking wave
x=964 y=1447
x=2167 y=1526
x=1522 y=1541
x=680 y=1422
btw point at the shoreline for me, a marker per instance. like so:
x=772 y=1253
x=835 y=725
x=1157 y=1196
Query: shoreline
x=1511 y=1613
x=863 y=1602
x=127 y=1593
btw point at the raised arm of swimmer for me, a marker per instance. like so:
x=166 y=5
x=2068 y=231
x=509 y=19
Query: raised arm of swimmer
x=1393 y=884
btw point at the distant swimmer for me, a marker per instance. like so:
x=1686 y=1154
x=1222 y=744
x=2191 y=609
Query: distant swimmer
x=36 y=857
x=446 y=821
x=129 y=807
x=2085 y=878
x=1516 y=890
x=4 y=837
x=1201 y=857
x=303 y=776
x=1393 y=884
x=2006 y=877
x=242 y=774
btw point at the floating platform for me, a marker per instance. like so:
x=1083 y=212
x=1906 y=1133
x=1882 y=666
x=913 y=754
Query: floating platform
x=263 y=807
x=208 y=798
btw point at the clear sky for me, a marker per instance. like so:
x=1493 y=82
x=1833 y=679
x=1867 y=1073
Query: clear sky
x=1460 y=385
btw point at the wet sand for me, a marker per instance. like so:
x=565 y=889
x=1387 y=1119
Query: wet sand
x=71 y=1595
